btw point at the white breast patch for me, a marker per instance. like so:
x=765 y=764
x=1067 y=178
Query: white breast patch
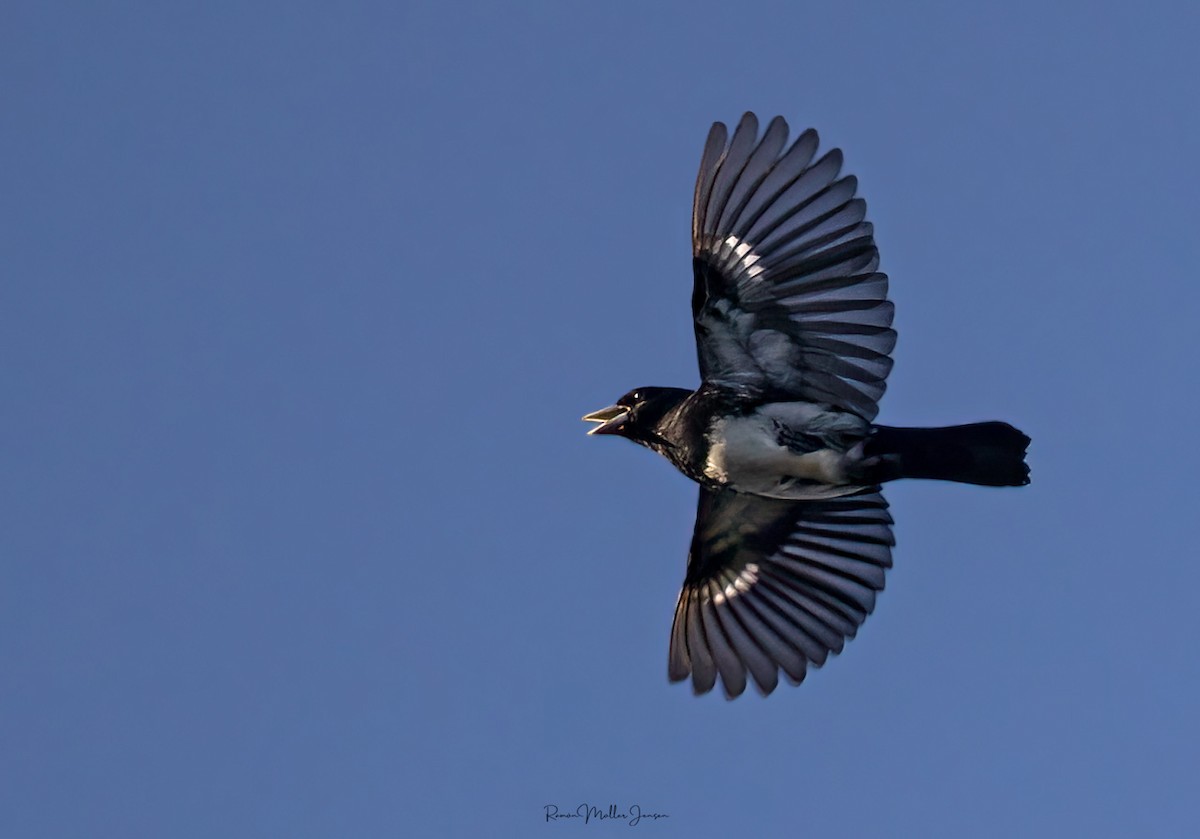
x=744 y=453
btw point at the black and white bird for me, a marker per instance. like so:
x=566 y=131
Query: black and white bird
x=794 y=335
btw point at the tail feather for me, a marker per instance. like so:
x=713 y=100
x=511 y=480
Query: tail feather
x=984 y=453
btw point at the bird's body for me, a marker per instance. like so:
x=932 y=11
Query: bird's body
x=793 y=333
x=790 y=450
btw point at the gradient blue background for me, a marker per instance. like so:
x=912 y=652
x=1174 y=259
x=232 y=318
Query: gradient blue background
x=302 y=536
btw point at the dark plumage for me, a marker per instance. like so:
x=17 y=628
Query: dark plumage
x=794 y=335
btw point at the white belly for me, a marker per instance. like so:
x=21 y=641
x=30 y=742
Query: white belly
x=746 y=455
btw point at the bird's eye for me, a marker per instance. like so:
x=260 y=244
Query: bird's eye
x=637 y=396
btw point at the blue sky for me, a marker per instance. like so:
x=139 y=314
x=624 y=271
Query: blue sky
x=302 y=536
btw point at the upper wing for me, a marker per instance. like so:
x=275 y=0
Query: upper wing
x=786 y=296
x=776 y=584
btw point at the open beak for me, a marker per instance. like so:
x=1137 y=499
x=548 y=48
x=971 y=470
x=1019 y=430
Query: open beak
x=611 y=419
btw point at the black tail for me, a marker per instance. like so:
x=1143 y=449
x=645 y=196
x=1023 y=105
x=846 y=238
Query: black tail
x=986 y=453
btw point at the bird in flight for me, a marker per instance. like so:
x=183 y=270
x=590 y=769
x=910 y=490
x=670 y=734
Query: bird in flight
x=794 y=336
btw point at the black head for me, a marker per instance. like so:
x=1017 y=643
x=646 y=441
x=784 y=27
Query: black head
x=637 y=413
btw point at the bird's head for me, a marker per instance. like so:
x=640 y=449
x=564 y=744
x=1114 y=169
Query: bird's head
x=637 y=414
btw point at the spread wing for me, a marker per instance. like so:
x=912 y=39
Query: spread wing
x=776 y=585
x=786 y=296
